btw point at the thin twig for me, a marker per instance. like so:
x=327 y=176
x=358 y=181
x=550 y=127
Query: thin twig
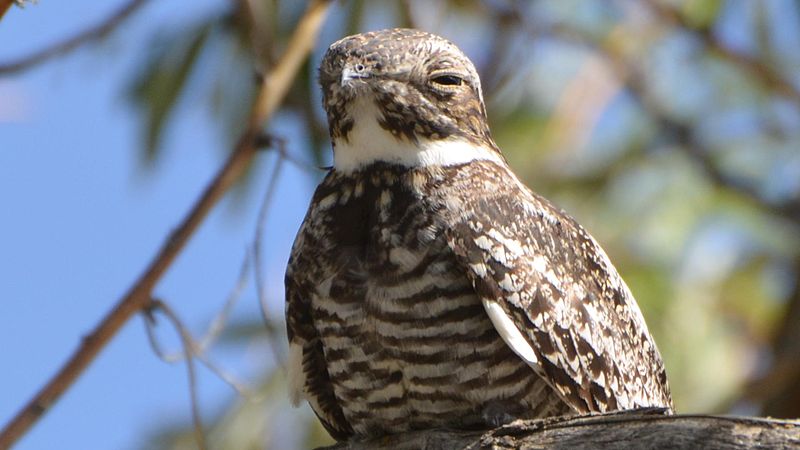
x=629 y=74
x=753 y=66
x=252 y=14
x=308 y=167
x=175 y=357
x=219 y=321
x=270 y=94
x=216 y=326
x=240 y=388
x=4 y=6
x=495 y=72
x=258 y=267
x=61 y=48
x=189 y=352
x=406 y=13
x=772 y=389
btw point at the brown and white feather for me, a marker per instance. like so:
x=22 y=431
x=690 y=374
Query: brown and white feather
x=428 y=287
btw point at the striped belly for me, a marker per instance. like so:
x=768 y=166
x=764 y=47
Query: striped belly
x=413 y=348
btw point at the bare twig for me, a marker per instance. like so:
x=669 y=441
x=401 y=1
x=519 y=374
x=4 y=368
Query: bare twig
x=219 y=321
x=188 y=351
x=780 y=382
x=270 y=94
x=629 y=75
x=753 y=66
x=93 y=33
x=258 y=267
x=778 y=390
x=494 y=73
x=300 y=164
x=684 y=135
x=4 y=6
x=253 y=14
x=172 y=358
x=406 y=13
x=200 y=347
x=580 y=106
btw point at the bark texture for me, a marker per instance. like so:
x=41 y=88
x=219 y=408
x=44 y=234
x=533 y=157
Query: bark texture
x=640 y=430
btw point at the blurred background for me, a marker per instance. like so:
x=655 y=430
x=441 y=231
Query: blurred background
x=669 y=129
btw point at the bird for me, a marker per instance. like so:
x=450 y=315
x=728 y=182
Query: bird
x=427 y=286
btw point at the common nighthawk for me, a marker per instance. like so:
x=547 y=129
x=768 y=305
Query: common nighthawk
x=428 y=287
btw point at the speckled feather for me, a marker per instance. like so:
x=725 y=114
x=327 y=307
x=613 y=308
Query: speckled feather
x=403 y=59
x=428 y=287
x=559 y=287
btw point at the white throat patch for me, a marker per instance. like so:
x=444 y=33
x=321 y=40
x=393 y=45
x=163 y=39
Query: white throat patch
x=367 y=143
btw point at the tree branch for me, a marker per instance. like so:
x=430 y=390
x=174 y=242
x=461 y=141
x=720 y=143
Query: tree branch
x=189 y=352
x=95 y=32
x=4 y=6
x=270 y=94
x=629 y=75
x=200 y=346
x=753 y=66
x=617 y=430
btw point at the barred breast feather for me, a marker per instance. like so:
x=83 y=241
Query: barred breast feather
x=453 y=297
x=428 y=287
x=554 y=296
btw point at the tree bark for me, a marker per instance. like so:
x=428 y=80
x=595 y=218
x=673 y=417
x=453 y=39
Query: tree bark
x=634 y=429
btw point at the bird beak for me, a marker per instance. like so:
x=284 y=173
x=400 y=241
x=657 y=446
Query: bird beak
x=353 y=73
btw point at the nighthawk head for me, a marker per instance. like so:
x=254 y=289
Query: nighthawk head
x=403 y=96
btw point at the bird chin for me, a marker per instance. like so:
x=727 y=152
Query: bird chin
x=354 y=86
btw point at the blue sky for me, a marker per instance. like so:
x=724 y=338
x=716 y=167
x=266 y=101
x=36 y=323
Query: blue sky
x=81 y=219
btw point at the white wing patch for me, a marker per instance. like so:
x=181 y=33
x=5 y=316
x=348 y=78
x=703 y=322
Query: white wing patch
x=510 y=333
x=296 y=375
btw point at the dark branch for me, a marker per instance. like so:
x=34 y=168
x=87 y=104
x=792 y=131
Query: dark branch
x=768 y=76
x=608 y=431
x=683 y=134
x=189 y=352
x=93 y=33
x=5 y=5
x=270 y=94
x=199 y=347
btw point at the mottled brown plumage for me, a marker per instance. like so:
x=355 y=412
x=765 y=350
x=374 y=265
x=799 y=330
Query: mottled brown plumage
x=428 y=287
x=405 y=61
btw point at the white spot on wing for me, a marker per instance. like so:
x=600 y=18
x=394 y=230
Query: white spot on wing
x=512 y=245
x=540 y=265
x=297 y=378
x=479 y=269
x=328 y=201
x=510 y=333
x=483 y=242
x=507 y=284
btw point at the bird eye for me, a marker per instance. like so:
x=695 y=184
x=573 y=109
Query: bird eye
x=359 y=68
x=448 y=80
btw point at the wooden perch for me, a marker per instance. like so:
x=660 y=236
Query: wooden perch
x=633 y=429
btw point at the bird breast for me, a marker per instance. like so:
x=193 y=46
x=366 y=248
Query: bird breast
x=407 y=341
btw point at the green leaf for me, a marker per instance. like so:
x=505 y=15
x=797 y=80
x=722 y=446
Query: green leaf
x=701 y=13
x=157 y=88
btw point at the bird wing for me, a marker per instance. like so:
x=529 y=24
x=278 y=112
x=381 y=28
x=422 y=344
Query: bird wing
x=307 y=368
x=557 y=301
